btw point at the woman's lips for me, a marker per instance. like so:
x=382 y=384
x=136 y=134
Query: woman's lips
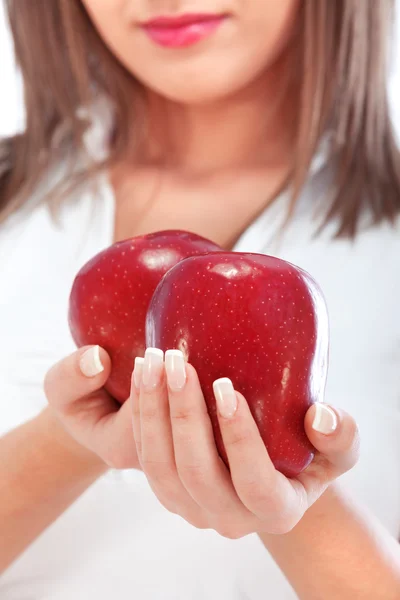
x=182 y=31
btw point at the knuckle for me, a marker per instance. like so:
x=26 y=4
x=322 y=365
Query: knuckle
x=188 y=412
x=149 y=411
x=182 y=415
x=192 y=475
x=232 y=529
x=191 y=514
x=197 y=521
x=230 y=532
x=263 y=498
x=236 y=435
x=258 y=496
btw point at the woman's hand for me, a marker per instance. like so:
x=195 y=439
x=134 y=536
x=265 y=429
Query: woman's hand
x=74 y=389
x=177 y=452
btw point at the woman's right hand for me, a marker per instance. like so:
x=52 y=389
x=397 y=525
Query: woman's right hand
x=74 y=390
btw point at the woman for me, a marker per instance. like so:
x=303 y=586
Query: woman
x=144 y=116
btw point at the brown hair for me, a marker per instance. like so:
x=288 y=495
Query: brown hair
x=65 y=64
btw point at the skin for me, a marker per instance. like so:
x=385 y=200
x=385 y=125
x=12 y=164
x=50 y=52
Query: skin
x=220 y=124
x=186 y=473
x=218 y=132
x=249 y=43
x=85 y=432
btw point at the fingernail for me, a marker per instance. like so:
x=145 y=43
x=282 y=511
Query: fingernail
x=152 y=367
x=225 y=397
x=325 y=419
x=90 y=363
x=176 y=371
x=137 y=371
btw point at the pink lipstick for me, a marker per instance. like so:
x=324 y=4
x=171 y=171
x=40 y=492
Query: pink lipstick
x=182 y=31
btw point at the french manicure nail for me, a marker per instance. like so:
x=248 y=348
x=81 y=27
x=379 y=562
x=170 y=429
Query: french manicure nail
x=152 y=367
x=175 y=369
x=137 y=371
x=225 y=397
x=90 y=363
x=325 y=419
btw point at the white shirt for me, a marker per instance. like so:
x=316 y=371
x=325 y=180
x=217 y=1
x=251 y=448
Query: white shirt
x=117 y=540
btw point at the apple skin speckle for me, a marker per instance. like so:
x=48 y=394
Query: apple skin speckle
x=111 y=293
x=268 y=332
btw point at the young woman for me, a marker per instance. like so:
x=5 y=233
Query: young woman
x=258 y=125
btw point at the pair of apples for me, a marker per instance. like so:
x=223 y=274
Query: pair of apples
x=256 y=319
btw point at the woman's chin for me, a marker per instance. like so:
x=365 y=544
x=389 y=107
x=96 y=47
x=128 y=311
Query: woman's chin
x=198 y=91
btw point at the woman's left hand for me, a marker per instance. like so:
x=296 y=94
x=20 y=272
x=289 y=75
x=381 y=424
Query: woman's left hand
x=177 y=452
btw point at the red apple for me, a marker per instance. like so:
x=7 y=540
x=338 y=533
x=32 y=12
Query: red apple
x=263 y=323
x=111 y=294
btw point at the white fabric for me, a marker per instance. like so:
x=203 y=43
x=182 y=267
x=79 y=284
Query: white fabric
x=116 y=540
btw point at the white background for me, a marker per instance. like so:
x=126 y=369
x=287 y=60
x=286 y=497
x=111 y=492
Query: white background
x=11 y=113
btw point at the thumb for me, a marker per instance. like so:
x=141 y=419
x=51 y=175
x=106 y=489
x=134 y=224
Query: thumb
x=76 y=377
x=73 y=388
x=334 y=434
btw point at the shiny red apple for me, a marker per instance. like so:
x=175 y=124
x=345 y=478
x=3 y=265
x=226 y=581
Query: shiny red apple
x=263 y=323
x=111 y=294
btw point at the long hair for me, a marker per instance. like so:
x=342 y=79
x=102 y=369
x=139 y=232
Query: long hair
x=343 y=61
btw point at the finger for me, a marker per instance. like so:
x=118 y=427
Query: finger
x=135 y=404
x=157 y=449
x=117 y=426
x=74 y=390
x=199 y=466
x=155 y=430
x=76 y=377
x=334 y=434
x=262 y=489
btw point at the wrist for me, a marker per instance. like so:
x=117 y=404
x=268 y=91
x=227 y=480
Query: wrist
x=313 y=519
x=347 y=551
x=56 y=437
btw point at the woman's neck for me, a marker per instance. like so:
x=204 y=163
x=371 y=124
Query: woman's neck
x=255 y=127
x=208 y=158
